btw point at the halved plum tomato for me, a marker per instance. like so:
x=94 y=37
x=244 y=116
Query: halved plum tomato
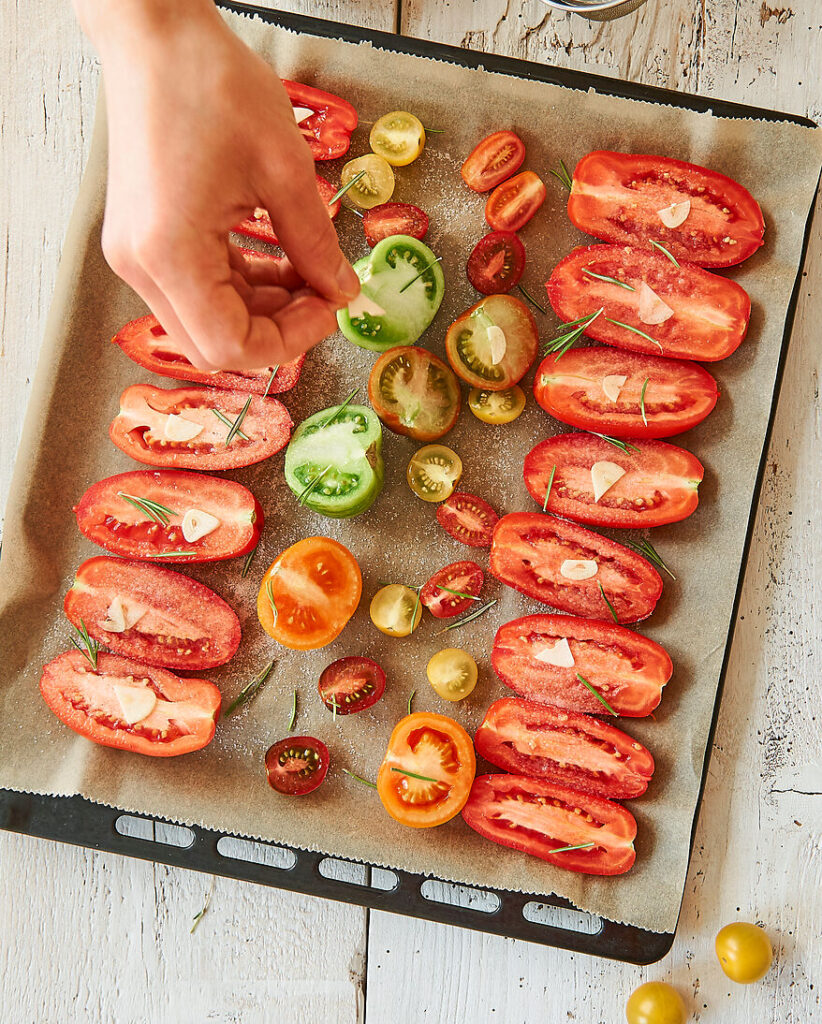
x=623 y=197
x=513 y=203
x=131 y=706
x=150 y=514
x=326 y=121
x=188 y=427
x=562 y=746
x=258 y=224
x=677 y=311
x=427 y=772
x=493 y=344
x=297 y=765
x=394 y=219
x=152 y=614
x=573 y=569
x=468 y=519
x=493 y=160
x=414 y=393
x=594 y=482
x=444 y=594
x=146 y=343
x=309 y=593
x=351 y=684
x=496 y=263
x=545 y=820
x=542 y=657
x=624 y=394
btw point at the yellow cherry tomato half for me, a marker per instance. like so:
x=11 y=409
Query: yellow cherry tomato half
x=396 y=610
x=452 y=673
x=497 y=406
x=655 y=1002
x=375 y=187
x=745 y=952
x=433 y=472
x=398 y=137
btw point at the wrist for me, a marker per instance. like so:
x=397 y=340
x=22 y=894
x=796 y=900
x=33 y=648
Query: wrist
x=112 y=25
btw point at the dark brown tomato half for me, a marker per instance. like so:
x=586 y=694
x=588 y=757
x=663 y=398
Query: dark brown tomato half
x=394 y=219
x=493 y=160
x=624 y=394
x=530 y=551
x=152 y=422
x=493 y=344
x=654 y=482
x=414 y=393
x=145 y=342
x=351 y=684
x=542 y=657
x=453 y=589
x=131 y=706
x=468 y=519
x=297 y=765
x=496 y=263
x=677 y=311
x=153 y=615
x=563 y=746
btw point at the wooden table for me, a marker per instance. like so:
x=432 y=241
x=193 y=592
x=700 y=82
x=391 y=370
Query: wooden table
x=94 y=937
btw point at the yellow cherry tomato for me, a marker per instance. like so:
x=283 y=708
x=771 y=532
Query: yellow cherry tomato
x=375 y=187
x=452 y=673
x=396 y=610
x=745 y=952
x=398 y=137
x=433 y=472
x=655 y=1002
x=497 y=406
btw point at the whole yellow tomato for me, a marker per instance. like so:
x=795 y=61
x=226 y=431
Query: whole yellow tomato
x=745 y=952
x=655 y=1002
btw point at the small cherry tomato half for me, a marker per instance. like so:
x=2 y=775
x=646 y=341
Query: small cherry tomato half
x=452 y=673
x=398 y=137
x=513 y=203
x=655 y=1002
x=493 y=160
x=493 y=344
x=296 y=765
x=468 y=519
x=414 y=393
x=396 y=610
x=375 y=187
x=453 y=589
x=433 y=472
x=497 y=406
x=496 y=263
x=428 y=769
x=744 y=951
x=351 y=684
x=390 y=219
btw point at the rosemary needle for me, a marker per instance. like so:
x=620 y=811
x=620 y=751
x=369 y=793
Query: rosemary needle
x=199 y=916
x=344 y=188
x=274 y=371
x=566 y=849
x=413 y=775
x=235 y=427
x=249 y=691
x=645 y=384
x=532 y=300
x=410 y=698
x=458 y=593
x=221 y=416
x=152 y=509
x=469 y=618
x=646 y=548
x=635 y=330
x=624 y=446
x=548 y=488
x=293 y=718
x=359 y=778
x=662 y=249
x=424 y=269
x=563 y=176
x=247 y=563
x=610 y=280
x=85 y=645
x=610 y=606
x=597 y=694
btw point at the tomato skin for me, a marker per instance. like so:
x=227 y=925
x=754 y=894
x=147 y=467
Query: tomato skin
x=565 y=747
x=106 y=519
x=408 y=364
x=613 y=828
x=468 y=519
x=496 y=263
x=328 y=130
x=467 y=577
x=492 y=160
x=394 y=219
x=616 y=196
x=529 y=547
x=513 y=203
x=258 y=224
x=287 y=777
x=697 y=297
x=628 y=669
x=337 y=685
x=69 y=679
x=570 y=390
x=660 y=484
x=469 y=331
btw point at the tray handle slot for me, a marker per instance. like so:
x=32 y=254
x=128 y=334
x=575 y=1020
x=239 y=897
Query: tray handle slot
x=358 y=874
x=253 y=852
x=460 y=896
x=562 y=917
x=151 y=831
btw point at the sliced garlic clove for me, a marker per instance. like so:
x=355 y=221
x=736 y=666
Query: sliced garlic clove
x=578 y=568
x=652 y=309
x=603 y=477
x=362 y=305
x=136 y=702
x=498 y=343
x=122 y=615
x=613 y=384
x=197 y=524
x=178 y=428
x=675 y=214
x=301 y=113
x=560 y=654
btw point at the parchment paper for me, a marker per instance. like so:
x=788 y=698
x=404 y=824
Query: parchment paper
x=65 y=448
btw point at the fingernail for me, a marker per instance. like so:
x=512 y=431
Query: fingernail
x=347 y=281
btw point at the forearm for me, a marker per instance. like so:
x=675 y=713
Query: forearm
x=111 y=23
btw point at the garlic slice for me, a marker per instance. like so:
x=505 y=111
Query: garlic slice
x=178 y=428
x=197 y=524
x=559 y=655
x=675 y=214
x=136 y=702
x=613 y=384
x=361 y=305
x=578 y=568
x=652 y=309
x=122 y=616
x=603 y=476
x=498 y=343
x=301 y=113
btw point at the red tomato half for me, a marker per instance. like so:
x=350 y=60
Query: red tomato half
x=538 y=817
x=152 y=614
x=496 y=263
x=493 y=160
x=328 y=129
x=675 y=394
x=710 y=313
x=564 y=747
x=146 y=342
x=617 y=197
x=259 y=225
x=98 y=704
x=297 y=765
x=659 y=484
x=468 y=519
x=351 y=684
x=138 y=530
x=141 y=427
x=627 y=669
x=465 y=577
x=513 y=203
x=394 y=219
x=530 y=550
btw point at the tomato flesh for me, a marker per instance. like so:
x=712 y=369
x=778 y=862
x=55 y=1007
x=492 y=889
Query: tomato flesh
x=258 y=224
x=465 y=577
x=414 y=393
x=351 y=684
x=394 y=219
x=327 y=130
x=496 y=263
x=492 y=160
x=493 y=344
x=513 y=203
x=297 y=765
x=468 y=519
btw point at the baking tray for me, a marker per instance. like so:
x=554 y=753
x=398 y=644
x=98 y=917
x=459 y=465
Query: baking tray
x=79 y=821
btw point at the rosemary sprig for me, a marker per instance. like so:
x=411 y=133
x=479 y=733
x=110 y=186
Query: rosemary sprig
x=646 y=548
x=293 y=716
x=309 y=487
x=85 y=645
x=339 y=410
x=566 y=849
x=597 y=694
x=153 y=509
x=199 y=916
x=469 y=618
x=548 y=489
x=610 y=280
x=662 y=249
x=235 y=427
x=624 y=446
x=413 y=279
x=344 y=188
x=249 y=691
x=247 y=563
x=412 y=775
x=359 y=778
x=610 y=606
x=567 y=339
x=221 y=416
x=274 y=371
x=435 y=131
x=410 y=698
x=563 y=176
x=645 y=384
x=532 y=300
x=636 y=330
x=170 y=554
x=458 y=593
x=269 y=593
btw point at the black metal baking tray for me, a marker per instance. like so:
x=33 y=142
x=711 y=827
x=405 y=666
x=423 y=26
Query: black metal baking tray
x=83 y=823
